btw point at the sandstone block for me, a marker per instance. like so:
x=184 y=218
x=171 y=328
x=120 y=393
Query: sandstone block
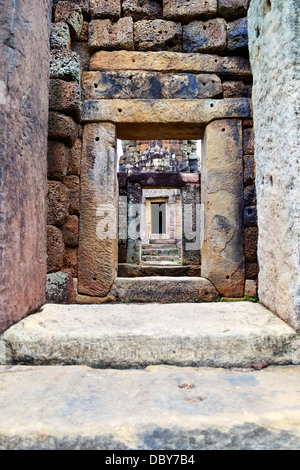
x=164 y=290
x=250 y=288
x=250 y=244
x=222 y=198
x=233 y=9
x=237 y=36
x=59 y=288
x=73 y=185
x=57 y=203
x=61 y=127
x=70 y=230
x=57 y=159
x=98 y=245
x=205 y=37
x=157 y=35
x=248 y=141
x=105 y=9
x=75 y=158
x=149 y=85
x=71 y=260
x=65 y=97
x=103 y=34
x=250 y=216
x=55 y=249
x=186 y=11
x=236 y=89
x=142 y=9
x=71 y=14
x=237 y=67
x=60 y=36
x=65 y=65
x=249 y=169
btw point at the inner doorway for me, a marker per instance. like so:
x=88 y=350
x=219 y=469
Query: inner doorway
x=158 y=219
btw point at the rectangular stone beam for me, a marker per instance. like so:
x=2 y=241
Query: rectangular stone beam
x=229 y=67
x=182 y=119
x=222 y=259
x=133 y=84
x=98 y=235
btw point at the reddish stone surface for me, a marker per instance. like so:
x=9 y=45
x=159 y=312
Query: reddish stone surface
x=58 y=160
x=70 y=231
x=75 y=158
x=72 y=15
x=57 y=203
x=250 y=244
x=236 y=89
x=55 y=249
x=110 y=9
x=71 y=260
x=24 y=71
x=251 y=270
x=65 y=97
x=61 y=127
x=233 y=9
x=106 y=35
x=72 y=184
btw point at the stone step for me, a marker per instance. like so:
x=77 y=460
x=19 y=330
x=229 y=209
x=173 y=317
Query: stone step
x=159 y=408
x=220 y=334
x=162 y=246
x=160 y=252
x=164 y=290
x=147 y=259
x=146 y=270
x=161 y=241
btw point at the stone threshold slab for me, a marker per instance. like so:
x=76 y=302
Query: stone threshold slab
x=135 y=336
x=159 y=408
x=164 y=290
x=170 y=62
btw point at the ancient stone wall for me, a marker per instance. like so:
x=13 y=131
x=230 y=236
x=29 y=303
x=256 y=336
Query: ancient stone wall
x=275 y=54
x=155 y=69
x=24 y=67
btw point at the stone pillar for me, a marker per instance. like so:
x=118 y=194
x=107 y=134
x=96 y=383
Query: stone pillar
x=134 y=191
x=98 y=235
x=222 y=260
x=191 y=231
x=274 y=41
x=24 y=72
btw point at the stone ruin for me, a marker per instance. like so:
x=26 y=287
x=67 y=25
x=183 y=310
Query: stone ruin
x=147 y=70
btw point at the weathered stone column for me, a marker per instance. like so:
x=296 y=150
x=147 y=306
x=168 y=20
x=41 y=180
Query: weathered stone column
x=98 y=235
x=191 y=230
x=222 y=260
x=274 y=34
x=24 y=77
x=134 y=191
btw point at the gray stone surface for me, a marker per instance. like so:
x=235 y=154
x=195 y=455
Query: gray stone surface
x=160 y=408
x=164 y=290
x=150 y=85
x=275 y=50
x=129 y=335
x=65 y=64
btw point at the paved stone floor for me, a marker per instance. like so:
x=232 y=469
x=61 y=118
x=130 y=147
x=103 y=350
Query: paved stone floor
x=160 y=407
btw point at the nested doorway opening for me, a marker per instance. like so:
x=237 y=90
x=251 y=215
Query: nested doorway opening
x=159 y=198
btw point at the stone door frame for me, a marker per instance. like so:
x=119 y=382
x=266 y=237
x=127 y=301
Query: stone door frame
x=219 y=122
